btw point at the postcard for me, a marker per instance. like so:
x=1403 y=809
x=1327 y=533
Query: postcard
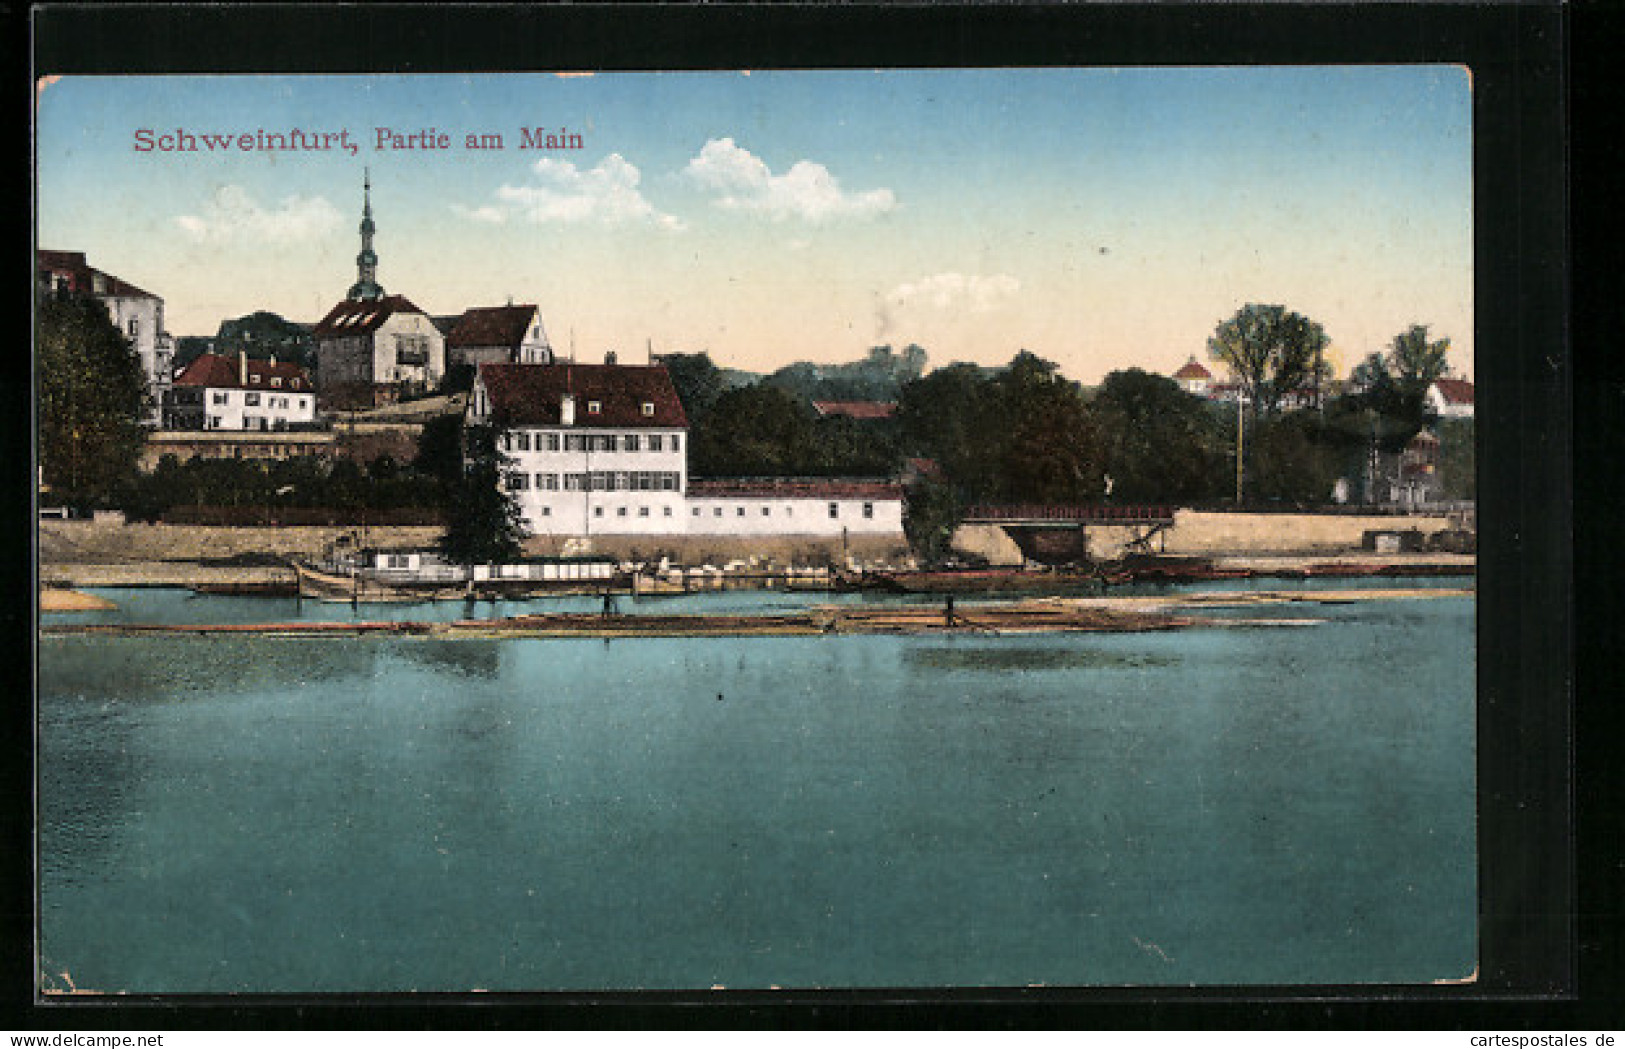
x=757 y=529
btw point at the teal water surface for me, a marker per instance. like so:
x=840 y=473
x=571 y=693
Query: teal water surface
x=1234 y=805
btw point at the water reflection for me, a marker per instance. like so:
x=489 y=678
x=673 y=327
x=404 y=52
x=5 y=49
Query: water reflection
x=1001 y=659
x=390 y=813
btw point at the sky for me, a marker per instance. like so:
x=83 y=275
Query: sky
x=1101 y=218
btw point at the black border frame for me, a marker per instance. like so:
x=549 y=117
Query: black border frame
x=1518 y=57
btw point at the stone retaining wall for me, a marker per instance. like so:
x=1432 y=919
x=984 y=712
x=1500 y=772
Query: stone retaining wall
x=86 y=542
x=90 y=543
x=1214 y=534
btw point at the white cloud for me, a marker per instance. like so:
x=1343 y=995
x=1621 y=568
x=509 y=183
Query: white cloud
x=487 y=213
x=233 y=214
x=742 y=182
x=923 y=305
x=563 y=193
x=944 y=291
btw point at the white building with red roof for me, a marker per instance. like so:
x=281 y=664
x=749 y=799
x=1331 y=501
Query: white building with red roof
x=594 y=449
x=1193 y=377
x=1451 y=398
x=138 y=314
x=222 y=393
x=498 y=335
x=602 y=449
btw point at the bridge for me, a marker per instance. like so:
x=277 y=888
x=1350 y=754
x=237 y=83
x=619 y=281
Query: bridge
x=1034 y=527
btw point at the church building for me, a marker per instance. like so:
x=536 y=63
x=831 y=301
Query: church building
x=374 y=349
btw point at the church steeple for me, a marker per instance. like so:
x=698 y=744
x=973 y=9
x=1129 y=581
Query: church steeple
x=366 y=287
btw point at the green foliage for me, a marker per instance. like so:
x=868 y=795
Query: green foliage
x=483 y=522
x=1457 y=473
x=952 y=416
x=932 y=514
x=753 y=431
x=1415 y=361
x=1393 y=387
x=1051 y=453
x=1160 y=443
x=1023 y=434
x=263 y=334
x=698 y=382
x=1290 y=459
x=1272 y=352
x=879 y=376
x=304 y=482
x=91 y=396
x=440 y=448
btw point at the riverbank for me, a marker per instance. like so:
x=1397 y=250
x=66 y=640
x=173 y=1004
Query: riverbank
x=198 y=574
x=55 y=599
x=1039 y=616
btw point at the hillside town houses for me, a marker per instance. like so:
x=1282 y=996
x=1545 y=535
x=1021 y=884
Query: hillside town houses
x=138 y=314
x=220 y=393
x=591 y=449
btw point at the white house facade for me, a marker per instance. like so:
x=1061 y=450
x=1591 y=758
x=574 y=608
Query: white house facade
x=795 y=507
x=603 y=450
x=137 y=314
x=221 y=393
x=498 y=335
x=371 y=351
x=1451 y=398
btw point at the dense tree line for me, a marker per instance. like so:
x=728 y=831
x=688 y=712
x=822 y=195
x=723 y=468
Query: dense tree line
x=270 y=485
x=92 y=393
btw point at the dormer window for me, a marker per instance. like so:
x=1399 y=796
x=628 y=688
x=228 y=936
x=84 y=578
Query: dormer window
x=648 y=408
x=594 y=407
x=253 y=380
x=276 y=380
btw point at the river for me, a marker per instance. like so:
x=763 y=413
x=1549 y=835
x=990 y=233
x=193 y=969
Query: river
x=1250 y=805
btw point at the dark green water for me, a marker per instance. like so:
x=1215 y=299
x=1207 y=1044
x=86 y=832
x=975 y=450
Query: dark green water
x=1264 y=805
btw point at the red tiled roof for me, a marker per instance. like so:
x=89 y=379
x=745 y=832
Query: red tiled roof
x=856 y=409
x=82 y=276
x=1455 y=391
x=213 y=369
x=530 y=394
x=795 y=488
x=922 y=467
x=362 y=316
x=491 y=326
x=1193 y=370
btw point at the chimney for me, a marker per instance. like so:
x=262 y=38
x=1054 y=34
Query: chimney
x=567 y=410
x=273 y=360
x=242 y=367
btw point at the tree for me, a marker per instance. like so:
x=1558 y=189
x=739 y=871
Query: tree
x=932 y=514
x=1050 y=452
x=1160 y=443
x=1291 y=460
x=1271 y=351
x=1414 y=361
x=483 y=522
x=698 y=382
x=1393 y=386
x=756 y=430
x=440 y=448
x=952 y=416
x=92 y=393
x=1457 y=478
